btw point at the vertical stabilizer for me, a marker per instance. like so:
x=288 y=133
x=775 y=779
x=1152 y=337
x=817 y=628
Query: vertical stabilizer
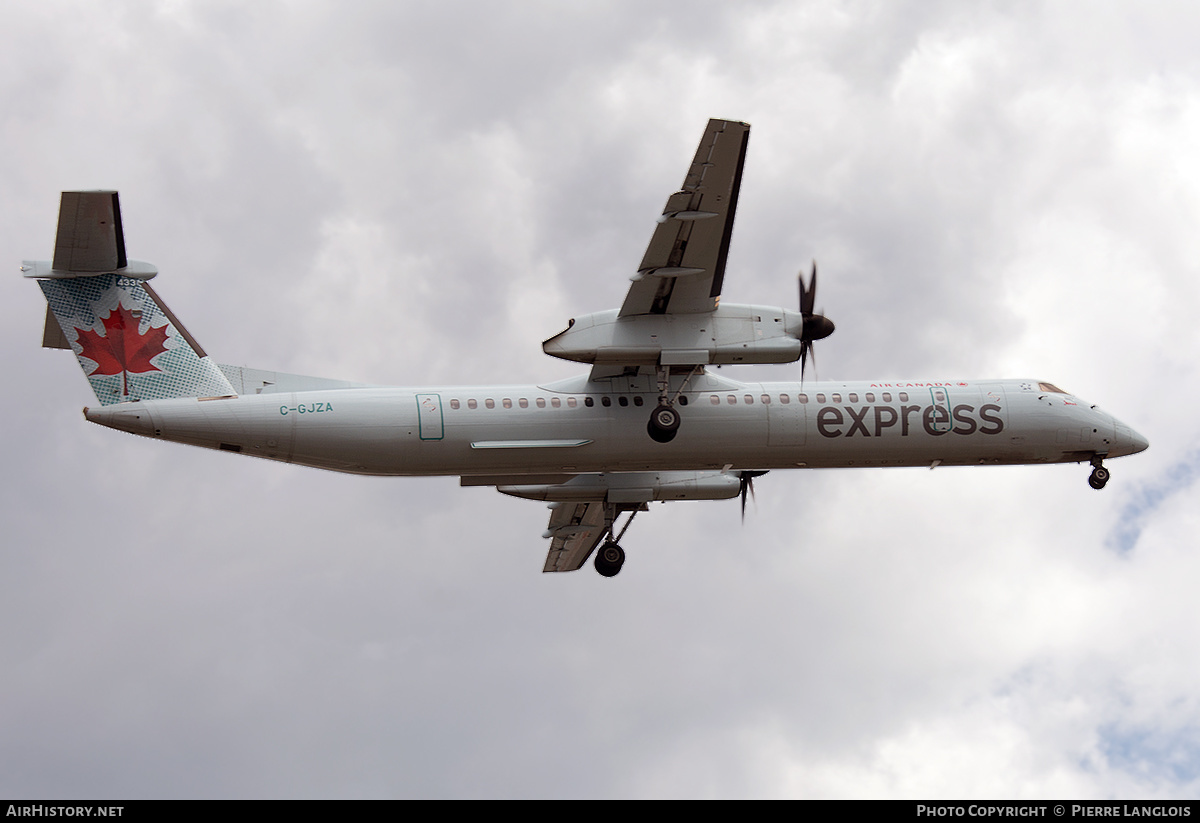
x=129 y=344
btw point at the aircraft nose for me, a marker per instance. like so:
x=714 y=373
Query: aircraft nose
x=1129 y=441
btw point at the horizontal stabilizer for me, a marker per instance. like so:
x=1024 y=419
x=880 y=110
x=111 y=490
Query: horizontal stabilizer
x=90 y=237
x=90 y=241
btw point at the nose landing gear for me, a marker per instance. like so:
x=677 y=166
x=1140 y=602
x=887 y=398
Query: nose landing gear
x=1100 y=475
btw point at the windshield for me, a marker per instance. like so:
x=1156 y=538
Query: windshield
x=1050 y=387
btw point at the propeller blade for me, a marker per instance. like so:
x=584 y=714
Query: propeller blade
x=812 y=288
x=747 y=487
x=815 y=326
x=808 y=295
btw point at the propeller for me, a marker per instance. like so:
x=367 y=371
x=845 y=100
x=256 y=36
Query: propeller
x=816 y=326
x=747 y=487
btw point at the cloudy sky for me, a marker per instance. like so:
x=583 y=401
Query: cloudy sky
x=416 y=193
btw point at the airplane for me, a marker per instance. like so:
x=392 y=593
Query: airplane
x=651 y=421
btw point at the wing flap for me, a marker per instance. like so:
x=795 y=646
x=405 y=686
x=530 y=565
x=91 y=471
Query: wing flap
x=575 y=530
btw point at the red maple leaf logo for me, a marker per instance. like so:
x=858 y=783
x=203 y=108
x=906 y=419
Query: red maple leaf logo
x=122 y=350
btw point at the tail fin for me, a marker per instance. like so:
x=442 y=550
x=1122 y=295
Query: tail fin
x=129 y=344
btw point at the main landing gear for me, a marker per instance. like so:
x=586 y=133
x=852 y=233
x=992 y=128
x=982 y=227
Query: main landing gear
x=610 y=557
x=1100 y=475
x=665 y=419
x=664 y=423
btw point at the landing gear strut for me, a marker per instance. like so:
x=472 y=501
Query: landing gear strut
x=1100 y=475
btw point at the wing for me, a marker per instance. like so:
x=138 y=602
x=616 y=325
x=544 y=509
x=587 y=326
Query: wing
x=584 y=507
x=684 y=266
x=575 y=529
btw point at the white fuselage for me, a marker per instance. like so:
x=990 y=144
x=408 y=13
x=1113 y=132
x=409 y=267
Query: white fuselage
x=579 y=427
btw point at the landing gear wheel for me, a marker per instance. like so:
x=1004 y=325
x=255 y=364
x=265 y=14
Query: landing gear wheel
x=1099 y=477
x=609 y=559
x=664 y=424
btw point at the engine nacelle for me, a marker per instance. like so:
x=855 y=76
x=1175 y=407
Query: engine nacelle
x=732 y=334
x=633 y=487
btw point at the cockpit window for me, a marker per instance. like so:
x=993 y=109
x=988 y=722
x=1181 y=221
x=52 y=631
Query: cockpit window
x=1050 y=387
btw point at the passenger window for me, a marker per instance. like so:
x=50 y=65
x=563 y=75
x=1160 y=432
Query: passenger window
x=606 y=401
x=837 y=398
x=785 y=399
x=803 y=398
x=749 y=400
x=766 y=398
x=490 y=403
x=637 y=400
x=887 y=397
x=555 y=402
x=853 y=397
x=683 y=401
x=870 y=397
x=571 y=402
x=820 y=398
x=733 y=399
x=903 y=397
x=716 y=400
x=507 y=403
x=623 y=400
x=523 y=403
x=588 y=401
x=471 y=404
x=541 y=402
x=454 y=404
